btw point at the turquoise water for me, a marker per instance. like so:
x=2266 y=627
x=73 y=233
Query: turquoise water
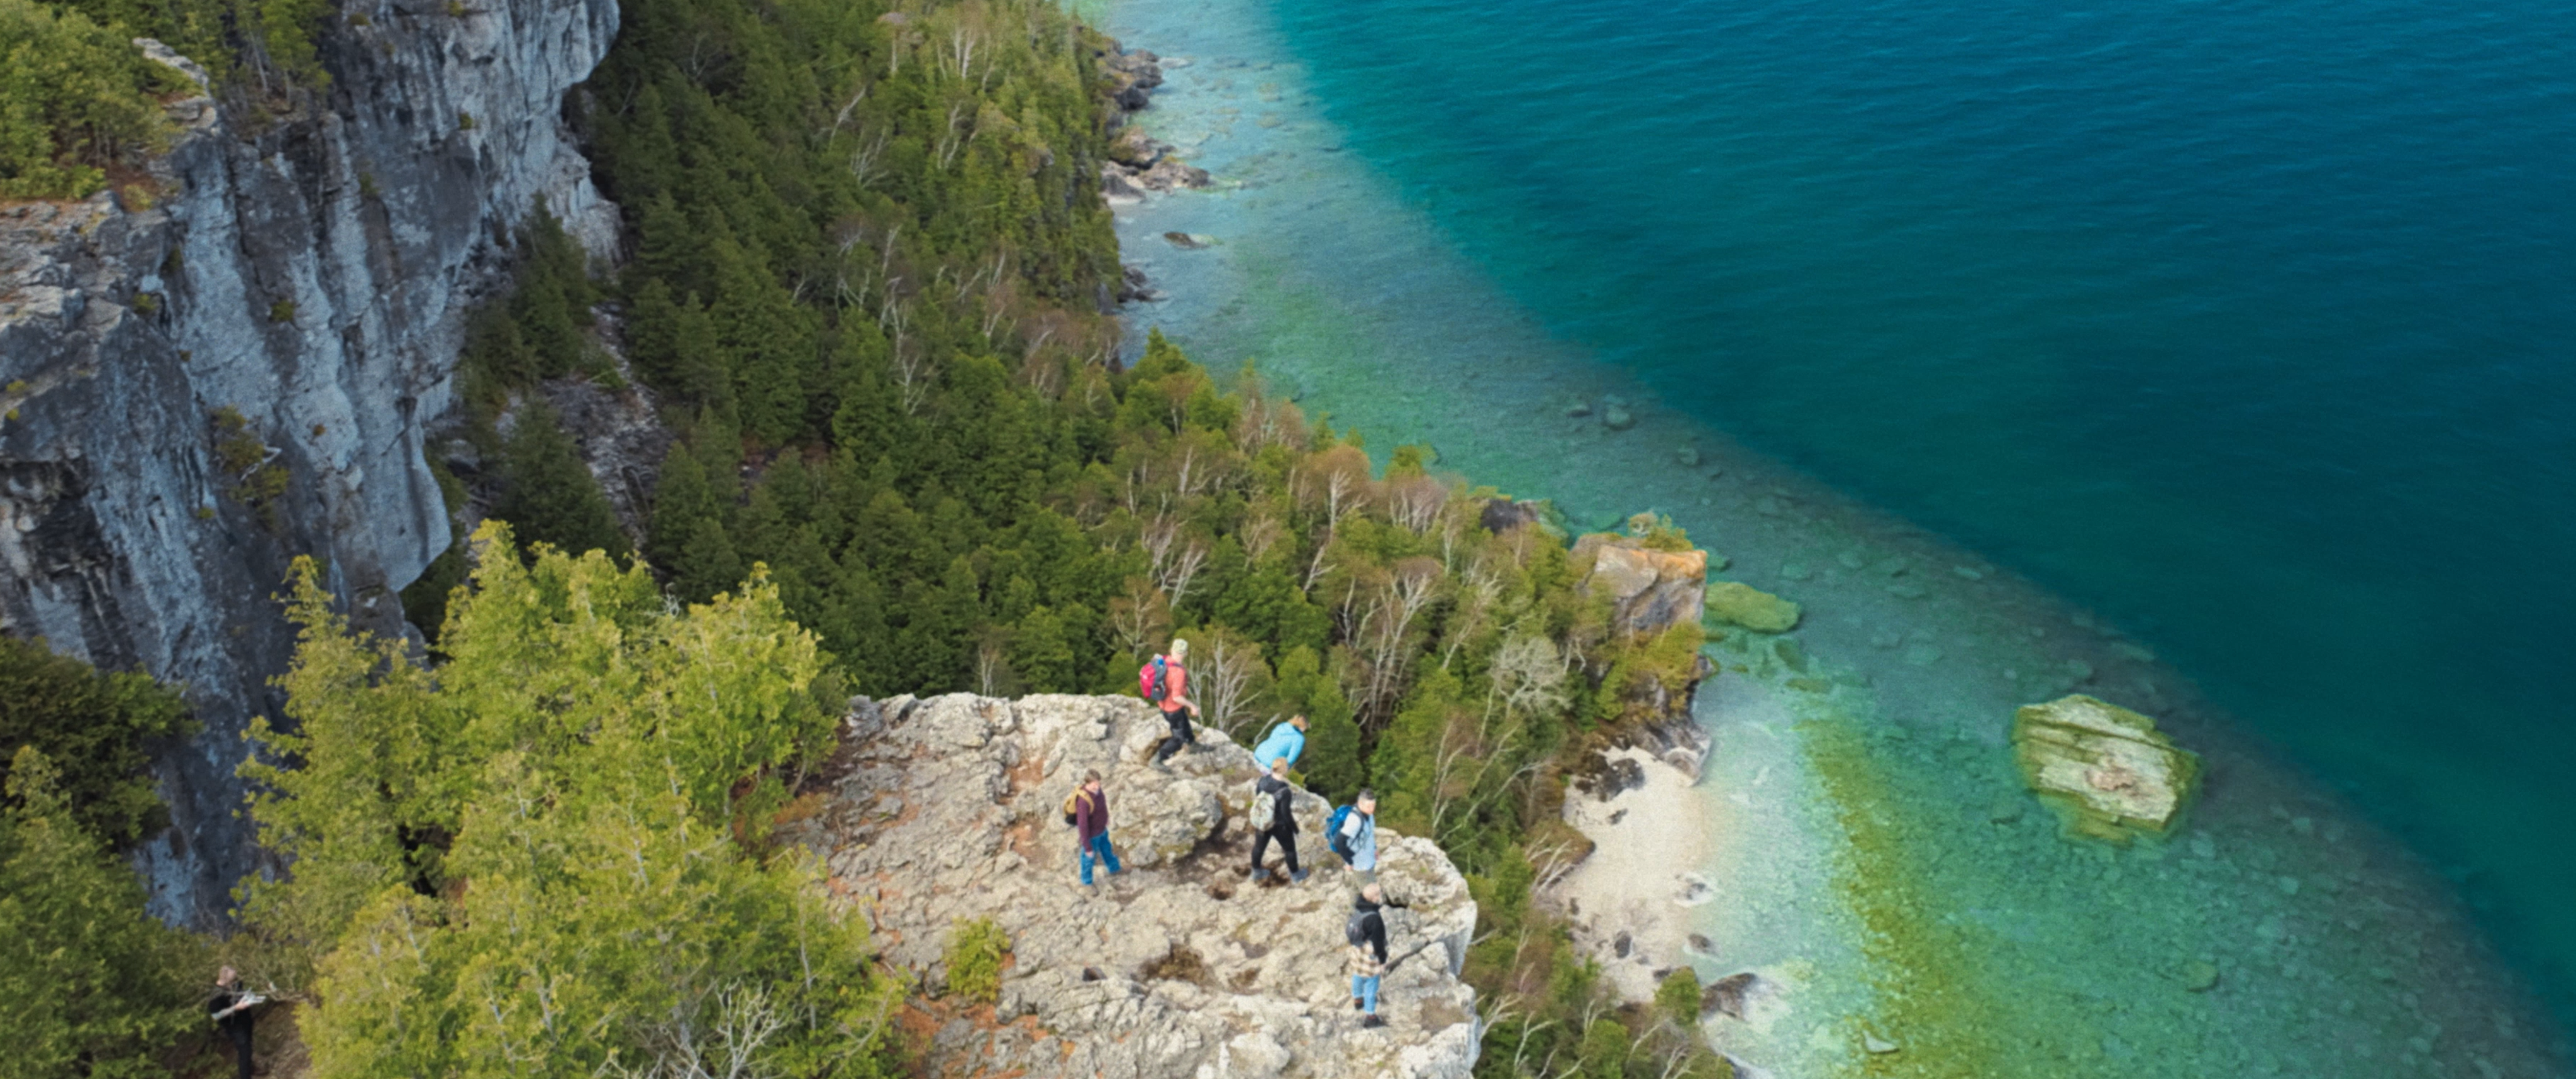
x=2247 y=324
x=2213 y=344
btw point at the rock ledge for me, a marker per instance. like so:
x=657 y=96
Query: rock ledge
x=946 y=808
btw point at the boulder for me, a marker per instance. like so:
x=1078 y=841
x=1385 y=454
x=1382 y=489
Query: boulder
x=1170 y=174
x=1728 y=996
x=1503 y=515
x=1649 y=589
x=950 y=807
x=1743 y=605
x=2106 y=770
x=1136 y=150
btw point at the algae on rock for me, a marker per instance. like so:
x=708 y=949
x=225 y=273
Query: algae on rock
x=1739 y=604
x=2106 y=770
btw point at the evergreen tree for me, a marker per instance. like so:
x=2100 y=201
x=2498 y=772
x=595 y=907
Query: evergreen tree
x=98 y=726
x=549 y=493
x=89 y=983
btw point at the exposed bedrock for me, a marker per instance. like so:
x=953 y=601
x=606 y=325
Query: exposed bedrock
x=233 y=365
x=949 y=808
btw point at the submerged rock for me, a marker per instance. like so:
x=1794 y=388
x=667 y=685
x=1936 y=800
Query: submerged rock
x=2106 y=770
x=2200 y=975
x=1728 y=996
x=1736 y=603
x=1189 y=241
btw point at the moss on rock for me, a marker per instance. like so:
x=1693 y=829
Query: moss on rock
x=2109 y=773
x=1739 y=604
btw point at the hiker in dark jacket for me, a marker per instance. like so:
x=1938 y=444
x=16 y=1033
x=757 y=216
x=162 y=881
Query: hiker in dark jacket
x=1091 y=826
x=1272 y=799
x=1367 y=936
x=230 y=1007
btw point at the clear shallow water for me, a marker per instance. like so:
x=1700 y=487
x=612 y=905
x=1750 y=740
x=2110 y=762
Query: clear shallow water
x=1450 y=312
x=2251 y=324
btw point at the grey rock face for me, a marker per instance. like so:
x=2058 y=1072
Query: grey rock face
x=313 y=276
x=950 y=808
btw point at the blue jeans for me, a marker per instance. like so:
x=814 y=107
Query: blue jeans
x=1365 y=988
x=1098 y=850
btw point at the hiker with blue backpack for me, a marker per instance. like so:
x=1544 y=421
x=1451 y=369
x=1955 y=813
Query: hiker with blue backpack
x=1288 y=741
x=1166 y=682
x=1352 y=835
x=1088 y=812
x=1273 y=802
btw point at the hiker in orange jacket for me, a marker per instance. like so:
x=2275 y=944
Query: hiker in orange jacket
x=1176 y=704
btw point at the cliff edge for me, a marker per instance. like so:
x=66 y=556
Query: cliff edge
x=209 y=371
x=948 y=808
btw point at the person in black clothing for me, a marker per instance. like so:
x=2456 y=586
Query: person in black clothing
x=229 y=1007
x=1271 y=799
x=1366 y=934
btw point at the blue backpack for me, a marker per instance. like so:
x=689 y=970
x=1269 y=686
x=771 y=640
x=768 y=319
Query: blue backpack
x=1333 y=837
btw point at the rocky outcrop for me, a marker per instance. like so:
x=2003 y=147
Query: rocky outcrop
x=1649 y=589
x=2107 y=770
x=948 y=808
x=308 y=274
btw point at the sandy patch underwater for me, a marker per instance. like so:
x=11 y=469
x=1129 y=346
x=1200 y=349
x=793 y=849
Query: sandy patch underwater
x=1869 y=843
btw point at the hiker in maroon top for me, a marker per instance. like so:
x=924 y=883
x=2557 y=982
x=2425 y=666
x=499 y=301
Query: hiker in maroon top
x=1167 y=683
x=1090 y=809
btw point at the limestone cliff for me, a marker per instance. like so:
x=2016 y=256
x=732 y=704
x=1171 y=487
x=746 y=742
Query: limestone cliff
x=948 y=808
x=306 y=279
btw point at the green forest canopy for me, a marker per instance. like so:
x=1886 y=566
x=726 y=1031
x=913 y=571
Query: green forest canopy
x=869 y=269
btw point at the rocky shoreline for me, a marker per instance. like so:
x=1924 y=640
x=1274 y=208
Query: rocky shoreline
x=1138 y=163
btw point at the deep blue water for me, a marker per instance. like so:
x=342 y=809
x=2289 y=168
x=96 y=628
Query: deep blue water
x=2252 y=325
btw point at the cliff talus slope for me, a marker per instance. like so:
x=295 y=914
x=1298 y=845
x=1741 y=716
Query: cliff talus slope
x=948 y=808
x=306 y=279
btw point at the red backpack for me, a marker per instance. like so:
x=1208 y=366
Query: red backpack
x=1150 y=681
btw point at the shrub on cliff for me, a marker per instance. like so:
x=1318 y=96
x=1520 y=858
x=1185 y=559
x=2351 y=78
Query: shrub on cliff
x=974 y=957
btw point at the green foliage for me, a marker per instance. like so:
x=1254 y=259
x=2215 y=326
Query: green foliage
x=76 y=98
x=974 y=954
x=1606 y=1049
x=528 y=863
x=868 y=263
x=1678 y=997
x=90 y=985
x=251 y=472
x=547 y=493
x=97 y=726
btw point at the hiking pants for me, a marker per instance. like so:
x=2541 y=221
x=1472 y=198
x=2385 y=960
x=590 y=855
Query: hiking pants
x=240 y=1035
x=1287 y=846
x=1364 y=987
x=1098 y=851
x=1180 y=721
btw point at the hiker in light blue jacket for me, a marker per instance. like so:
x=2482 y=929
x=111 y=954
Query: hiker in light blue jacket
x=1289 y=741
x=1355 y=836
